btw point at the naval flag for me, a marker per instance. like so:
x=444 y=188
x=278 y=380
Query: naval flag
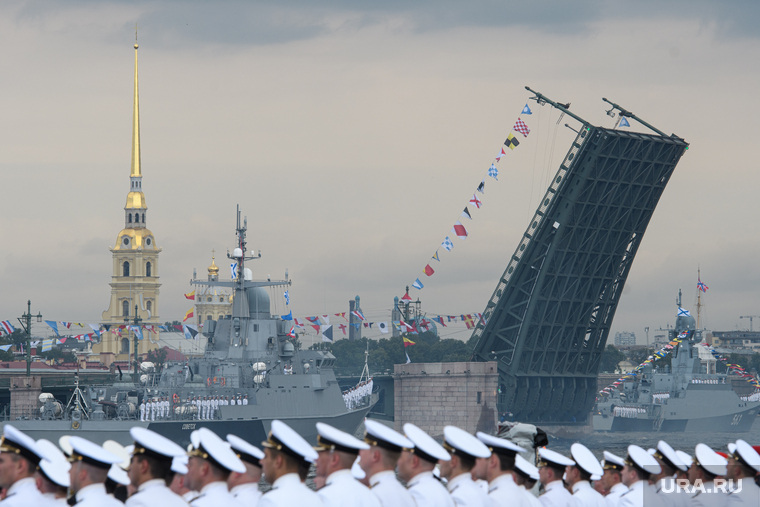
x=624 y=122
x=327 y=333
x=383 y=326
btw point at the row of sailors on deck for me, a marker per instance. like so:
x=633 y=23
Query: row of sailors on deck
x=206 y=406
x=478 y=470
x=156 y=408
x=628 y=411
x=708 y=381
x=354 y=397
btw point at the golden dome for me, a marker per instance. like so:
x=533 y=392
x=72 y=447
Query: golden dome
x=213 y=269
x=132 y=239
x=136 y=200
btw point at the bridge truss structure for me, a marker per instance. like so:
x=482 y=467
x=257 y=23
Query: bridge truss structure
x=547 y=322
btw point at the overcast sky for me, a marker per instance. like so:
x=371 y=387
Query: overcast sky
x=352 y=134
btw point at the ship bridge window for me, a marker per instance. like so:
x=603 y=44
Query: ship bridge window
x=255 y=328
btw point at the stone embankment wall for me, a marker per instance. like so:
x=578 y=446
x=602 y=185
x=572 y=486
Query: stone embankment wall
x=433 y=395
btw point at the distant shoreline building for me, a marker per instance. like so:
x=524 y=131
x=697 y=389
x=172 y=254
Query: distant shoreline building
x=212 y=302
x=625 y=339
x=135 y=280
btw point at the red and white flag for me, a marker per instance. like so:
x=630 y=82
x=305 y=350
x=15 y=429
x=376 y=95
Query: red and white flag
x=521 y=127
x=475 y=201
x=459 y=230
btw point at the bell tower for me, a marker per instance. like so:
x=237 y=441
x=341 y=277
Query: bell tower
x=135 y=280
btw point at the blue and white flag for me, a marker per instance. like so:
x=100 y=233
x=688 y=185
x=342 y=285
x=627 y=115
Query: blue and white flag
x=5 y=348
x=624 y=122
x=47 y=345
x=407 y=358
x=327 y=333
x=683 y=313
x=289 y=316
x=233 y=270
x=54 y=326
x=526 y=110
x=493 y=172
x=287 y=298
x=417 y=284
x=96 y=329
x=138 y=331
x=447 y=244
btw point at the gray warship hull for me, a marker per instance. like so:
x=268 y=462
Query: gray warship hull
x=238 y=420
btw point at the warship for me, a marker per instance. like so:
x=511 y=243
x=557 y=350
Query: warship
x=683 y=397
x=251 y=357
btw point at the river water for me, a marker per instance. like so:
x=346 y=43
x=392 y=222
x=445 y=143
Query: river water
x=617 y=443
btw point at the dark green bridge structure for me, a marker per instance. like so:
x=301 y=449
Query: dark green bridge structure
x=547 y=322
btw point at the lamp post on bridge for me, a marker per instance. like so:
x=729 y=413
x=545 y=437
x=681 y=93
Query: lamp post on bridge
x=26 y=323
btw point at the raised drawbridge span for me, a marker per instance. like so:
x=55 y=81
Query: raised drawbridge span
x=548 y=320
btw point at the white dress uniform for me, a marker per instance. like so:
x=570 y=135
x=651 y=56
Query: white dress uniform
x=289 y=491
x=669 y=495
x=94 y=495
x=745 y=494
x=708 y=498
x=342 y=490
x=389 y=491
x=52 y=501
x=247 y=494
x=23 y=493
x=555 y=495
x=155 y=492
x=586 y=496
x=214 y=494
x=504 y=492
x=465 y=492
x=613 y=497
x=634 y=497
x=427 y=491
x=532 y=499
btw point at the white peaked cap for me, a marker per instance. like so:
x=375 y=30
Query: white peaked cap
x=498 y=445
x=91 y=453
x=330 y=438
x=284 y=438
x=458 y=441
x=710 y=460
x=526 y=467
x=424 y=445
x=207 y=445
x=379 y=434
x=586 y=460
x=553 y=458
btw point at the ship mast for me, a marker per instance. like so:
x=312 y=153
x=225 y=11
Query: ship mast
x=699 y=298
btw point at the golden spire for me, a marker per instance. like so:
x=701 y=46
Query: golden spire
x=136 y=125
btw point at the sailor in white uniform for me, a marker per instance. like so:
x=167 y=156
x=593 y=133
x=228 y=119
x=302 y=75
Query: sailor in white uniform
x=89 y=469
x=464 y=450
x=142 y=410
x=526 y=477
x=502 y=489
x=379 y=463
x=551 y=468
x=664 y=483
x=611 y=480
x=639 y=467
x=151 y=462
x=709 y=470
x=743 y=465
x=210 y=463
x=287 y=458
x=415 y=466
x=578 y=477
x=245 y=486
x=53 y=481
x=177 y=482
x=337 y=452
x=19 y=457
